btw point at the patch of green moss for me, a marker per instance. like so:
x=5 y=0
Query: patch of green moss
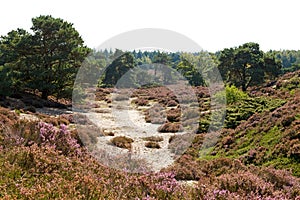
x=285 y=163
x=242 y=110
x=271 y=138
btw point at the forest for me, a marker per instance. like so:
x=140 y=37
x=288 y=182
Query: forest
x=245 y=130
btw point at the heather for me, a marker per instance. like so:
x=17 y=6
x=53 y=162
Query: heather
x=229 y=122
x=257 y=158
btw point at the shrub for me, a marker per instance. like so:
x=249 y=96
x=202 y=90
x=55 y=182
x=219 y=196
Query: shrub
x=155 y=120
x=52 y=120
x=170 y=127
x=154 y=139
x=110 y=133
x=172 y=103
x=232 y=93
x=141 y=102
x=61 y=139
x=88 y=134
x=178 y=144
x=68 y=117
x=155 y=115
x=153 y=145
x=122 y=142
x=174 y=115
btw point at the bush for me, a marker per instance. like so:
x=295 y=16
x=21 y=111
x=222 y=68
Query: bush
x=232 y=93
x=88 y=134
x=154 y=139
x=172 y=103
x=190 y=113
x=60 y=138
x=122 y=142
x=141 y=102
x=174 y=115
x=170 y=127
x=153 y=145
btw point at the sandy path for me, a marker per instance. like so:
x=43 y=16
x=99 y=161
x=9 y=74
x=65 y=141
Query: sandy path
x=124 y=120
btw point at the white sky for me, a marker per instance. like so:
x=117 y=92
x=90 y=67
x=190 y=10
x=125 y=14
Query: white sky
x=213 y=24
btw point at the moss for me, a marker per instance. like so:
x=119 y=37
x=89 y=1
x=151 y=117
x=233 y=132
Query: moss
x=208 y=154
x=271 y=138
x=285 y=163
x=242 y=110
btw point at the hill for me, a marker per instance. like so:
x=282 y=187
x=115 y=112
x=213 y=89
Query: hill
x=256 y=157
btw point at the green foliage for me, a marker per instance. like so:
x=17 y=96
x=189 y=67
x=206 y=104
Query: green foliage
x=162 y=63
x=233 y=95
x=6 y=82
x=242 y=110
x=264 y=131
x=290 y=60
x=246 y=66
x=190 y=72
x=121 y=64
x=46 y=60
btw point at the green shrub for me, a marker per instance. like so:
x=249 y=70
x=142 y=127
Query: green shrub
x=233 y=94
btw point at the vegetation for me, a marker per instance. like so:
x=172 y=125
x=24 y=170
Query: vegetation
x=46 y=60
x=154 y=139
x=153 y=145
x=247 y=65
x=44 y=156
x=122 y=142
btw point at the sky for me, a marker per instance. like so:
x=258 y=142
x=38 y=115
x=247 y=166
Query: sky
x=212 y=24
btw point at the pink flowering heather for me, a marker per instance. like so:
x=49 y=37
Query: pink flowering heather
x=60 y=138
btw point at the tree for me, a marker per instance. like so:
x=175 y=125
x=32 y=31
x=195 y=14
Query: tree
x=190 y=72
x=49 y=58
x=13 y=58
x=245 y=66
x=272 y=67
x=162 y=62
x=290 y=59
x=122 y=63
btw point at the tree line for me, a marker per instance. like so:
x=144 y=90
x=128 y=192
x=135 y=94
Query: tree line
x=48 y=58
